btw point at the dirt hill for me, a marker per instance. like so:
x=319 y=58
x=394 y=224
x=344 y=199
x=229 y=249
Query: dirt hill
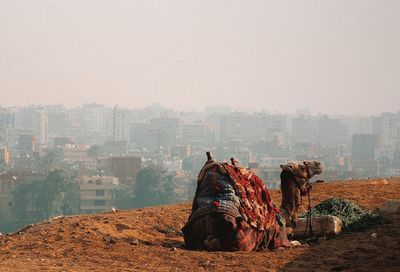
x=150 y=240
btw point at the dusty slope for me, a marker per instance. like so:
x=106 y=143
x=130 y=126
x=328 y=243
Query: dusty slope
x=149 y=239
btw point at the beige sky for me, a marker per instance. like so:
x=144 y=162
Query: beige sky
x=329 y=56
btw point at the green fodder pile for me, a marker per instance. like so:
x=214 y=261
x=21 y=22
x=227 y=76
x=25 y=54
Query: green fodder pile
x=352 y=216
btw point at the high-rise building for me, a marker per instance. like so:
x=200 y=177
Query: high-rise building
x=40 y=126
x=120 y=124
x=7 y=117
x=138 y=134
x=27 y=143
x=93 y=119
x=5 y=157
x=304 y=129
x=363 y=154
x=194 y=133
x=391 y=129
x=363 y=146
x=331 y=132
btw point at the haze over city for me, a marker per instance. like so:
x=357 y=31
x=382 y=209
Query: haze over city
x=328 y=56
x=199 y=135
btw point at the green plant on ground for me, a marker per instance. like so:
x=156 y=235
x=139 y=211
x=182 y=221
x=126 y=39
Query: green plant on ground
x=352 y=216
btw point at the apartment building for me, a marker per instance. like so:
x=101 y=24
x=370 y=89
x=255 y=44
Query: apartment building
x=96 y=193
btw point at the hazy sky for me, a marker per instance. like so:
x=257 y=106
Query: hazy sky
x=328 y=56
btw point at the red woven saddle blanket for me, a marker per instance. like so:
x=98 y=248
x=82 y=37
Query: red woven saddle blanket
x=256 y=207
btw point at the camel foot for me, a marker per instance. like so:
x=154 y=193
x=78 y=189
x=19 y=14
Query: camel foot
x=295 y=243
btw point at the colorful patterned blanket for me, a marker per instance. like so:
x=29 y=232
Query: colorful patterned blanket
x=256 y=206
x=250 y=219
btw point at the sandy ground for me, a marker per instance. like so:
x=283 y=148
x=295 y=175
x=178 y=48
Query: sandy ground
x=150 y=240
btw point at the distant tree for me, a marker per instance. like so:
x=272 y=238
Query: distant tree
x=154 y=186
x=48 y=160
x=47 y=199
x=71 y=198
x=187 y=164
x=148 y=190
x=171 y=192
x=124 y=197
x=192 y=164
x=23 y=196
x=40 y=199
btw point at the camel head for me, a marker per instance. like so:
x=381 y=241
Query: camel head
x=306 y=169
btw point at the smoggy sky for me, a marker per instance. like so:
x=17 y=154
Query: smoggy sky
x=328 y=56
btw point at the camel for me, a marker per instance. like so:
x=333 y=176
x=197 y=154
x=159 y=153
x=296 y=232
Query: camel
x=294 y=185
x=233 y=211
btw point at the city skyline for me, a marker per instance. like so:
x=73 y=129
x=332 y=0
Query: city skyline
x=208 y=109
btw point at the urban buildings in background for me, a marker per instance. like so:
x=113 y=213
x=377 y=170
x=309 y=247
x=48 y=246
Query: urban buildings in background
x=105 y=147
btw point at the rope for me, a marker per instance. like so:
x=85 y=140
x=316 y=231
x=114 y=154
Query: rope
x=309 y=215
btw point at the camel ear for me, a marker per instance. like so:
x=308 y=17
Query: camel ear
x=281 y=166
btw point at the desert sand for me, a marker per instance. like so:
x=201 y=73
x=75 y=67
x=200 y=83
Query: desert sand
x=149 y=239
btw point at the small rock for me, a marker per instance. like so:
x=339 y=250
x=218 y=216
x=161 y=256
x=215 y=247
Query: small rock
x=134 y=242
x=174 y=249
x=121 y=227
x=374 y=235
x=56 y=217
x=390 y=206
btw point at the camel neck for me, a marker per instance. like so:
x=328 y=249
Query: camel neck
x=290 y=200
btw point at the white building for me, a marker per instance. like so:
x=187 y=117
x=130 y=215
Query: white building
x=96 y=193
